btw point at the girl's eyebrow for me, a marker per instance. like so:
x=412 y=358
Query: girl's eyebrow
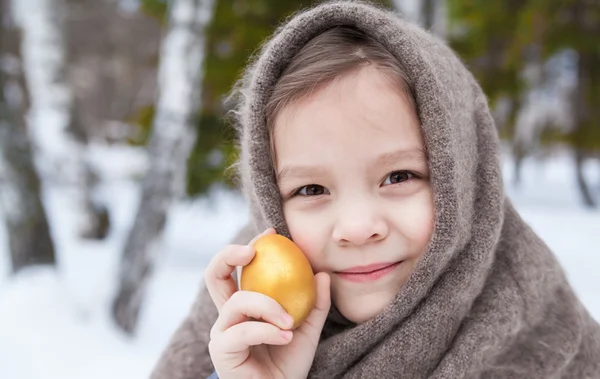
x=416 y=154
x=300 y=172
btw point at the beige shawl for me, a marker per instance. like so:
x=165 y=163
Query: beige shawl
x=487 y=300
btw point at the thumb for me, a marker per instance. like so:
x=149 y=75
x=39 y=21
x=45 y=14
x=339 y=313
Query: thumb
x=313 y=324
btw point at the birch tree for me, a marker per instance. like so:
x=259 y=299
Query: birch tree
x=58 y=154
x=29 y=236
x=173 y=135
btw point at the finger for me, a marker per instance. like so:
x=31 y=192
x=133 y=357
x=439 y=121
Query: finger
x=247 y=304
x=238 y=272
x=323 y=302
x=316 y=319
x=240 y=337
x=217 y=276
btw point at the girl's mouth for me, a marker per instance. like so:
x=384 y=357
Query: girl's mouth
x=368 y=273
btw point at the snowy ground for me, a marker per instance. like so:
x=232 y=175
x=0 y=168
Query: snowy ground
x=55 y=324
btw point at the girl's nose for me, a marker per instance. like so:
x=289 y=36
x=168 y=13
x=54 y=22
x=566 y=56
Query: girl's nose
x=357 y=224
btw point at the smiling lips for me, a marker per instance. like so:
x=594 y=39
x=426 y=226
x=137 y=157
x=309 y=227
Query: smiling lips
x=368 y=273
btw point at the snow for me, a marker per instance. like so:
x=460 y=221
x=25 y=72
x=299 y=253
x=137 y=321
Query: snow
x=55 y=324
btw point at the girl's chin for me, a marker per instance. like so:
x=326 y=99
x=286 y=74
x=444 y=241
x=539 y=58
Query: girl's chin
x=359 y=310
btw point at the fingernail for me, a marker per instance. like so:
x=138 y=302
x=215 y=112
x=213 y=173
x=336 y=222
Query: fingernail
x=286 y=334
x=288 y=320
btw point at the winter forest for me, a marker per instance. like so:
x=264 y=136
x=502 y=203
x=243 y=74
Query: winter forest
x=115 y=146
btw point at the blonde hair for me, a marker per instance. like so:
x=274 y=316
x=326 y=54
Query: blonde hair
x=328 y=56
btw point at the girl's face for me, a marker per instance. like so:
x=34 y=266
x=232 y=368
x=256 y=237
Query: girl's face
x=353 y=175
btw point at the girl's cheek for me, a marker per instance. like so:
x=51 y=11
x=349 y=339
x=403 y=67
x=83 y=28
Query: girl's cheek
x=422 y=216
x=309 y=235
x=308 y=245
x=412 y=217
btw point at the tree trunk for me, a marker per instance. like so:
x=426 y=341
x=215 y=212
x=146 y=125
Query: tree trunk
x=30 y=242
x=428 y=13
x=58 y=153
x=583 y=120
x=584 y=190
x=517 y=145
x=431 y=14
x=518 y=156
x=173 y=135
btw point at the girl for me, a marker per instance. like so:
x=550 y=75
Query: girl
x=366 y=140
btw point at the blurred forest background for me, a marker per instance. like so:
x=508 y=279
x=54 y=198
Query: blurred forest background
x=82 y=75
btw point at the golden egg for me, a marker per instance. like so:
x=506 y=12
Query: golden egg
x=281 y=271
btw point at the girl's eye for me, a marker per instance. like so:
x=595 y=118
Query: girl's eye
x=311 y=190
x=398 y=177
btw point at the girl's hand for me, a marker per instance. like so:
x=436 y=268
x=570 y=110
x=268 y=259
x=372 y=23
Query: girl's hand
x=252 y=336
